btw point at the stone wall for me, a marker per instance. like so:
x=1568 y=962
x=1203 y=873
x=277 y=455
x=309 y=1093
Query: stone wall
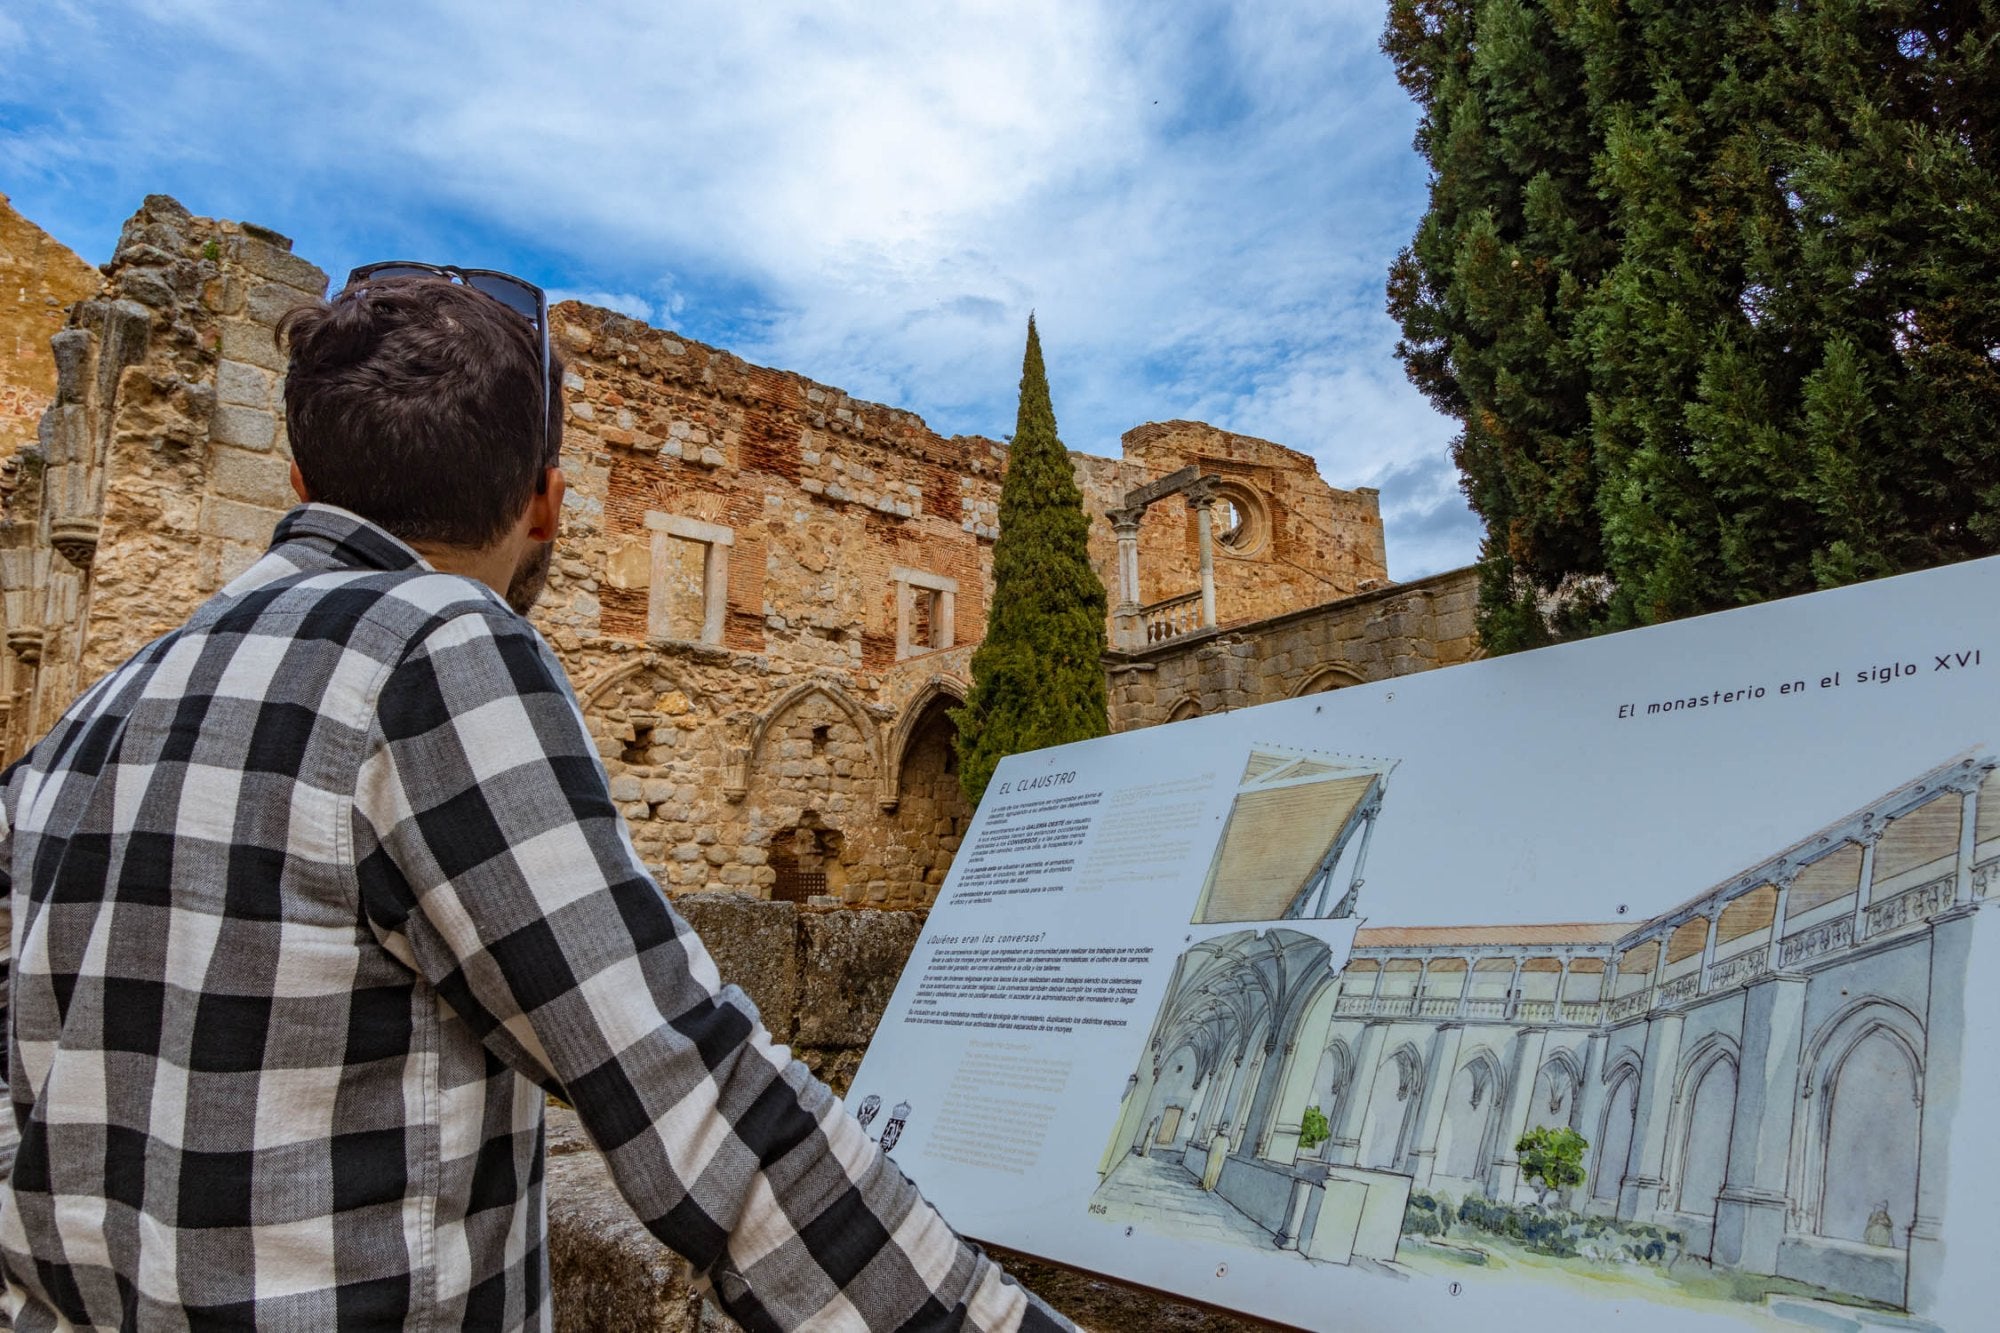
x=1373 y=636
x=766 y=592
x=40 y=279
x=821 y=980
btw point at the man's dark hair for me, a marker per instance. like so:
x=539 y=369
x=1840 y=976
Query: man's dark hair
x=413 y=403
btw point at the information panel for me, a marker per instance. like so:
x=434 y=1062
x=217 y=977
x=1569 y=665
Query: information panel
x=1639 y=976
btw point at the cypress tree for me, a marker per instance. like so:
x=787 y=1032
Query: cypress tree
x=1038 y=677
x=1767 y=357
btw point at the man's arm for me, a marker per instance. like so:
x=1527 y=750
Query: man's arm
x=501 y=870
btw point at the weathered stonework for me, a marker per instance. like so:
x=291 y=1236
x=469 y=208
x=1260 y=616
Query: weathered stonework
x=766 y=593
x=1373 y=636
x=40 y=279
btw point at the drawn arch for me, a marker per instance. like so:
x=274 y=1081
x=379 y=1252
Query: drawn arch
x=935 y=693
x=1557 y=1091
x=871 y=734
x=1862 y=1087
x=1324 y=679
x=1613 y=1144
x=1467 y=1137
x=1392 y=1109
x=1704 y=1112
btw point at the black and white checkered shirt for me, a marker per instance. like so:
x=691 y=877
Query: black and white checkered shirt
x=312 y=901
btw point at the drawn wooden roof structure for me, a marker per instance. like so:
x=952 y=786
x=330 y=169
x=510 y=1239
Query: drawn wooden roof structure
x=1294 y=812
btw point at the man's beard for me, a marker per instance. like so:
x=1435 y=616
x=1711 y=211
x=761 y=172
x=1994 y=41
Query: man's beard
x=530 y=577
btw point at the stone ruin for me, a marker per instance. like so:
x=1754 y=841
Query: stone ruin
x=766 y=594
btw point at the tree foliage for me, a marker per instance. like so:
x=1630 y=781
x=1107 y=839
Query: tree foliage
x=1551 y=1158
x=1714 y=291
x=1038 y=678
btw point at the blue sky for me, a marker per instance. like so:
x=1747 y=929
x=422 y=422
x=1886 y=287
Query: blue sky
x=1199 y=201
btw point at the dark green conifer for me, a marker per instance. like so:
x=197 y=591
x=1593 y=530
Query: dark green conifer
x=1713 y=290
x=1038 y=678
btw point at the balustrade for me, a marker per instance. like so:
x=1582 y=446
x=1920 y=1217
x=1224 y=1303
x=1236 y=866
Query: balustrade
x=1683 y=987
x=1486 y=1008
x=1910 y=905
x=1825 y=938
x=1735 y=971
x=1536 y=1011
x=1435 y=1006
x=1171 y=618
x=1625 y=1006
x=1582 y=1011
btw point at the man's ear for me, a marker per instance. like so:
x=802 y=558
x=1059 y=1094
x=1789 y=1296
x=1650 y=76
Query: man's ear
x=299 y=485
x=545 y=507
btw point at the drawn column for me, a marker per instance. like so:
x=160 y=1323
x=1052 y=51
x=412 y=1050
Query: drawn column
x=1438 y=1070
x=1750 y=1212
x=1944 y=1040
x=1640 y=1198
x=1345 y=1146
x=1504 y=1179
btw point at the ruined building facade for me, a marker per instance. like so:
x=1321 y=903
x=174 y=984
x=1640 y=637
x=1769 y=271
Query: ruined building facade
x=766 y=593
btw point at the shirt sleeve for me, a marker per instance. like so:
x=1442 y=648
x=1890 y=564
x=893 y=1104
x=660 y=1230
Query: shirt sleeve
x=501 y=871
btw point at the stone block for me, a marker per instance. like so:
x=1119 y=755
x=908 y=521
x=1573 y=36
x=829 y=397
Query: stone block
x=754 y=946
x=244 y=341
x=626 y=787
x=278 y=264
x=235 y=521
x=605 y=1269
x=850 y=964
x=270 y=302
x=260 y=479
x=244 y=385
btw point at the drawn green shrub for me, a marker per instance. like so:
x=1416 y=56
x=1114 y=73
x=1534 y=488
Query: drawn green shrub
x=1551 y=1160
x=1313 y=1129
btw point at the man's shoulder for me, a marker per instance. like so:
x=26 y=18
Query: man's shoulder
x=400 y=605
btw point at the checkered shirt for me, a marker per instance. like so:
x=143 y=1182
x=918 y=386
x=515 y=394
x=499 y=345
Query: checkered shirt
x=311 y=903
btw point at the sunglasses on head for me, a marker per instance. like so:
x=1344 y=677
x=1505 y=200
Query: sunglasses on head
x=523 y=298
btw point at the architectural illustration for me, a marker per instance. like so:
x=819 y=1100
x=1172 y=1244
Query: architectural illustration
x=1760 y=1080
x=1285 y=850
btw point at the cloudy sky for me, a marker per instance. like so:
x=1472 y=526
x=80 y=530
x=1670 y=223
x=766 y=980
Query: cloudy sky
x=1199 y=201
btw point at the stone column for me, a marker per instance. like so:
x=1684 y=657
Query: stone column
x=1659 y=974
x=1438 y=1070
x=1128 y=631
x=1640 y=1198
x=1968 y=840
x=1201 y=498
x=1264 y=1098
x=1866 y=882
x=1513 y=1001
x=1345 y=1146
x=1750 y=1212
x=1944 y=1044
x=1503 y=1182
x=1783 y=884
x=1708 y=950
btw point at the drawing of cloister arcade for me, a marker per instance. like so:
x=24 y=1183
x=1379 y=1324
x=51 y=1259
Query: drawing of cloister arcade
x=1753 y=1069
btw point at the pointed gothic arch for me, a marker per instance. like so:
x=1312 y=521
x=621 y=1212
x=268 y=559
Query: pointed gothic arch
x=831 y=691
x=915 y=714
x=1868 y=1020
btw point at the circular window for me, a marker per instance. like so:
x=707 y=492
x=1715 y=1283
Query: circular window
x=1242 y=525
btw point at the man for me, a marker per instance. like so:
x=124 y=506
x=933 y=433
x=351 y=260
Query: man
x=315 y=898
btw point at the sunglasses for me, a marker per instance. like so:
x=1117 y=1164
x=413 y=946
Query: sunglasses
x=523 y=298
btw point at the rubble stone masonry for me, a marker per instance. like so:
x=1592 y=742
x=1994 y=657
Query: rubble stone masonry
x=766 y=594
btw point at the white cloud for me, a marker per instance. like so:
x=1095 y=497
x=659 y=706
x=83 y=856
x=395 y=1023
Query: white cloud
x=1199 y=207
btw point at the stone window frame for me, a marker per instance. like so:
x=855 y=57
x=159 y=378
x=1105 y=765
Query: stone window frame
x=715 y=541
x=943 y=594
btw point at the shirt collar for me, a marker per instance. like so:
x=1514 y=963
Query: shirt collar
x=346 y=540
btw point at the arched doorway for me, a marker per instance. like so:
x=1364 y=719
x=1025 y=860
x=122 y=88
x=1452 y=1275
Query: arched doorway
x=1392 y=1107
x=1869 y=1193
x=931 y=810
x=1471 y=1111
x=1710 y=1114
x=1614 y=1141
